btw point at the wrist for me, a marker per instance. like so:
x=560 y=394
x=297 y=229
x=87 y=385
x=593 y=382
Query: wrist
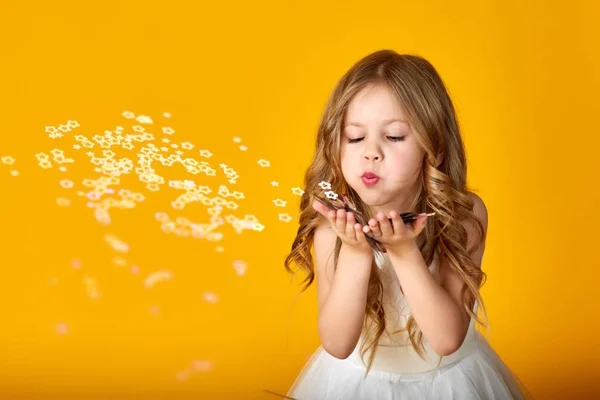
x=356 y=251
x=403 y=249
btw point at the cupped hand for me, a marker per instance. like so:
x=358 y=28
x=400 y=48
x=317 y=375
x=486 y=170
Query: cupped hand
x=394 y=234
x=345 y=226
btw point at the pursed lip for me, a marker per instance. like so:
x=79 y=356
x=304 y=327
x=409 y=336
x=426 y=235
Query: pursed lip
x=369 y=175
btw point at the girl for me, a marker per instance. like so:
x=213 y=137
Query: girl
x=395 y=321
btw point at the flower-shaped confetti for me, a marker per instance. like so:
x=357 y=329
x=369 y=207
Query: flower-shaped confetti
x=8 y=160
x=331 y=195
x=279 y=203
x=264 y=163
x=285 y=217
x=325 y=185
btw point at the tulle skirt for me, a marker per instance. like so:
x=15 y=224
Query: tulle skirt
x=479 y=375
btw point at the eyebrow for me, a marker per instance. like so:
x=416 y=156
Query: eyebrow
x=385 y=122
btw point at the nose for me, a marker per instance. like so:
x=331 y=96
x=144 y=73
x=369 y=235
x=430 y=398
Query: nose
x=372 y=156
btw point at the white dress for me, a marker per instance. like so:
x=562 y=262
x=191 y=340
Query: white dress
x=474 y=371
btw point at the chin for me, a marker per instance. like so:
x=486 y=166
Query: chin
x=372 y=199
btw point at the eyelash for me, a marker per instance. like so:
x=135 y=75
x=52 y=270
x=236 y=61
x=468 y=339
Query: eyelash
x=392 y=138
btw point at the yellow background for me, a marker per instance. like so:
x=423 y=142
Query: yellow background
x=524 y=77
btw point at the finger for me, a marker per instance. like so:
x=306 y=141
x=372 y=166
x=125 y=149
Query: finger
x=350 y=232
x=331 y=216
x=325 y=211
x=320 y=208
x=340 y=221
x=384 y=224
x=397 y=222
x=360 y=235
x=374 y=227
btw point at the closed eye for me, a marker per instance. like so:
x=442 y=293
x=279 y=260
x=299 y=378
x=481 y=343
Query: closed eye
x=396 y=138
x=391 y=138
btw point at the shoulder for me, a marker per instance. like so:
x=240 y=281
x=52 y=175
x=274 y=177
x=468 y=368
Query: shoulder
x=476 y=234
x=479 y=211
x=479 y=207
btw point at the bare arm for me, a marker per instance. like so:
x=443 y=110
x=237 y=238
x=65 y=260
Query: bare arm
x=437 y=307
x=342 y=294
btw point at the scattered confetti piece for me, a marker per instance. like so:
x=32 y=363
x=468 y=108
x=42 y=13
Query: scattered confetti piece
x=92 y=288
x=331 y=195
x=65 y=183
x=158 y=276
x=324 y=185
x=144 y=119
x=240 y=267
x=182 y=376
x=120 y=261
x=72 y=124
x=264 y=163
x=63 y=202
x=274 y=183
x=62 y=328
x=116 y=244
x=202 y=365
x=279 y=203
x=285 y=217
x=210 y=297
x=8 y=160
x=297 y=191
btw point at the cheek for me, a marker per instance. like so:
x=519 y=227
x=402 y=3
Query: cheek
x=407 y=162
x=346 y=160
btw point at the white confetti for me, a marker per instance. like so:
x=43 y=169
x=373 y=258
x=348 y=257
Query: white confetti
x=324 y=185
x=210 y=297
x=240 y=267
x=158 y=276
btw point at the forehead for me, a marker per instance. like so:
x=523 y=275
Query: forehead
x=374 y=105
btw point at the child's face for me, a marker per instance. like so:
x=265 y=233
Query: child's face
x=396 y=162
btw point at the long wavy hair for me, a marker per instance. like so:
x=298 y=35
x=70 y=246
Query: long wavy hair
x=422 y=94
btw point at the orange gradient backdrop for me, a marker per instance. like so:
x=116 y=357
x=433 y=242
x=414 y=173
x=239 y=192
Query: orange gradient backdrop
x=84 y=316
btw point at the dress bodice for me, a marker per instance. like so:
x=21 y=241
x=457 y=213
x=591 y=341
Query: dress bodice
x=395 y=352
x=395 y=306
